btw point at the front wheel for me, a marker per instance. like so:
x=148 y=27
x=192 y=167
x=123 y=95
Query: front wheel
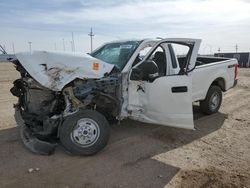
x=84 y=133
x=213 y=100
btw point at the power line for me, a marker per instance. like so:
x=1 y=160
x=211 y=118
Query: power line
x=72 y=42
x=236 y=48
x=72 y=48
x=30 y=46
x=13 y=48
x=91 y=39
x=63 y=44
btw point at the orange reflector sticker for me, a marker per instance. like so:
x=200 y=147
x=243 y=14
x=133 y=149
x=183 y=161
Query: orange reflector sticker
x=95 y=66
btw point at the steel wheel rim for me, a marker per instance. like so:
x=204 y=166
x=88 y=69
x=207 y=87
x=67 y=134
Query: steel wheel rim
x=215 y=101
x=86 y=132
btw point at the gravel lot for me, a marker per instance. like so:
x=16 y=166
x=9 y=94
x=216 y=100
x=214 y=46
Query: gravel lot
x=216 y=154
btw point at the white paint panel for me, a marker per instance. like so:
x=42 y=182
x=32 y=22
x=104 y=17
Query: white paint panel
x=204 y=75
x=159 y=105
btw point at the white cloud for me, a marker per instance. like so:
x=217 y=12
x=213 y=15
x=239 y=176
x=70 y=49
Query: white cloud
x=216 y=11
x=219 y=22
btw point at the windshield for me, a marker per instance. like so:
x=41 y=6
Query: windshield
x=117 y=53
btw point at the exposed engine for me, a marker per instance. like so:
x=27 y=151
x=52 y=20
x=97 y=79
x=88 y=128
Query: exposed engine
x=44 y=110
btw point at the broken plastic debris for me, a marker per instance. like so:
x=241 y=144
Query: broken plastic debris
x=30 y=170
x=160 y=176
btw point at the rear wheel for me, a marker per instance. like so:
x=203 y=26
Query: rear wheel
x=84 y=133
x=213 y=100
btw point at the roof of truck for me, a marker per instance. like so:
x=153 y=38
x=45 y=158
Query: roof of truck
x=129 y=40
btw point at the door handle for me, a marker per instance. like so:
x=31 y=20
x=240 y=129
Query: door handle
x=179 y=89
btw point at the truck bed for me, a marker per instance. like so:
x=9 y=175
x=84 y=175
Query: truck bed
x=204 y=60
x=209 y=70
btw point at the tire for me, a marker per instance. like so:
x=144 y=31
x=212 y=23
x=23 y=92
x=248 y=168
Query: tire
x=84 y=133
x=213 y=100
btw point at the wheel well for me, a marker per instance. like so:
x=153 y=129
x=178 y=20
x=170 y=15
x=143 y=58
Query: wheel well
x=106 y=105
x=219 y=82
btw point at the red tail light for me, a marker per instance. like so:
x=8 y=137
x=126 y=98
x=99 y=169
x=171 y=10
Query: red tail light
x=236 y=72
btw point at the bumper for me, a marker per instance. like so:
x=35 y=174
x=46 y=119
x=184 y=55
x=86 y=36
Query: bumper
x=31 y=142
x=34 y=144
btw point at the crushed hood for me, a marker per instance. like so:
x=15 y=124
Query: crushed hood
x=54 y=70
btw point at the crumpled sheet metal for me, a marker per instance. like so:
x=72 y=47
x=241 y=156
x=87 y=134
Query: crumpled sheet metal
x=32 y=143
x=54 y=70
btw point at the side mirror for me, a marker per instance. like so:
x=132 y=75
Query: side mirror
x=146 y=71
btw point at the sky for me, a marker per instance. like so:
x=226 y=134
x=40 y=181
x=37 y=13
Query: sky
x=46 y=23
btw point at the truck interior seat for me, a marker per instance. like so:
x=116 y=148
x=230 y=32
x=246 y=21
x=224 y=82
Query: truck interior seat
x=160 y=60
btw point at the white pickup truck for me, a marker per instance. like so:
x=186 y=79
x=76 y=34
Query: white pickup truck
x=72 y=96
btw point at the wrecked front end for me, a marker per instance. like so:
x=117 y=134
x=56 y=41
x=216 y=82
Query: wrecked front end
x=42 y=112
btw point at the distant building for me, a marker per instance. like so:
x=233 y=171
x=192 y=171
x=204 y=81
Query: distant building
x=5 y=57
x=242 y=57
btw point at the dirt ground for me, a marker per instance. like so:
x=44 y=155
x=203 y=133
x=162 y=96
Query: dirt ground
x=216 y=154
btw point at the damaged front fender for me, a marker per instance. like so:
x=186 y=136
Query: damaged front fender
x=55 y=86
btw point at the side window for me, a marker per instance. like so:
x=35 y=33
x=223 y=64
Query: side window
x=144 y=51
x=159 y=57
x=179 y=54
x=168 y=58
x=151 y=68
x=141 y=55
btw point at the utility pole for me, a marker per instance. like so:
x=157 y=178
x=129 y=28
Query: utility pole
x=236 y=48
x=30 y=46
x=73 y=42
x=91 y=39
x=63 y=44
x=13 y=47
